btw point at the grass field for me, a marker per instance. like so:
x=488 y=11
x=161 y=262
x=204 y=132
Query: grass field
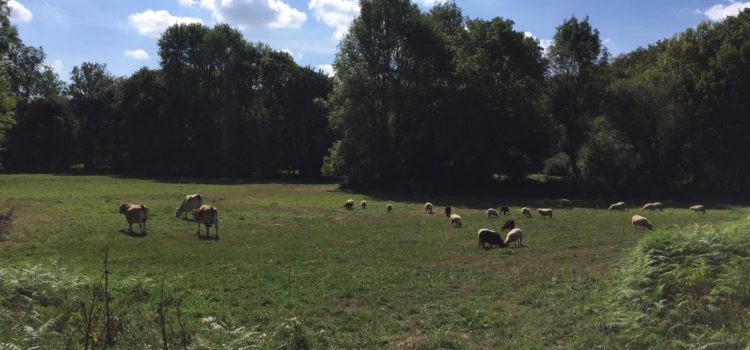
x=289 y=254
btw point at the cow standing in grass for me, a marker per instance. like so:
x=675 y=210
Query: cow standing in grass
x=135 y=214
x=190 y=202
x=207 y=215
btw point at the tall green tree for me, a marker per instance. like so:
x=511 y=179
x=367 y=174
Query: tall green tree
x=140 y=123
x=577 y=60
x=385 y=67
x=92 y=92
x=8 y=37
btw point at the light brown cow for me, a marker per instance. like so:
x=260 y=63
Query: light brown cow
x=190 y=202
x=207 y=215
x=135 y=214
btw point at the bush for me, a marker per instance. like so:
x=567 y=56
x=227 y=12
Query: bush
x=558 y=165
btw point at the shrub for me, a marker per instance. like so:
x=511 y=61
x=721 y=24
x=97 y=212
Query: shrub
x=558 y=165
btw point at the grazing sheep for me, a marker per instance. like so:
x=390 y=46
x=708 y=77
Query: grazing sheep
x=349 y=204
x=526 y=212
x=509 y=225
x=514 y=236
x=491 y=212
x=640 y=222
x=649 y=206
x=135 y=214
x=565 y=203
x=388 y=207
x=544 y=212
x=448 y=211
x=617 y=206
x=428 y=207
x=207 y=215
x=363 y=204
x=189 y=203
x=505 y=210
x=456 y=220
x=698 y=208
x=487 y=236
x=659 y=205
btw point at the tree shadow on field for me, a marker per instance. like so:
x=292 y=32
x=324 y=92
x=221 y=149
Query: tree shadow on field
x=134 y=234
x=225 y=180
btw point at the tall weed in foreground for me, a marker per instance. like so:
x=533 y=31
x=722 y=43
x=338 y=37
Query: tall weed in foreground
x=684 y=289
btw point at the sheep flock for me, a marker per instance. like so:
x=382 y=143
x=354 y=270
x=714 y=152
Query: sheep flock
x=207 y=216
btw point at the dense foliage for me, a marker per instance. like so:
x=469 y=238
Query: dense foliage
x=420 y=100
x=684 y=289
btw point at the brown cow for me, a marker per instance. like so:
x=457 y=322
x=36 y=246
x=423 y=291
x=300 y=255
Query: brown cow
x=207 y=215
x=135 y=214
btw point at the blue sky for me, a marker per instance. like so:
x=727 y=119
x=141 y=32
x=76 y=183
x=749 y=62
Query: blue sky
x=124 y=33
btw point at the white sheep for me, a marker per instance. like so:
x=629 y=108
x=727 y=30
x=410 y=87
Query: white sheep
x=514 y=236
x=617 y=206
x=456 y=220
x=545 y=212
x=349 y=204
x=698 y=208
x=526 y=212
x=649 y=206
x=363 y=204
x=428 y=207
x=492 y=212
x=653 y=206
x=388 y=207
x=640 y=222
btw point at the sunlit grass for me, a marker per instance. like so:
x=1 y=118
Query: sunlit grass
x=349 y=279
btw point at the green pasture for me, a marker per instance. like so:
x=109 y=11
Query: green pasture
x=290 y=257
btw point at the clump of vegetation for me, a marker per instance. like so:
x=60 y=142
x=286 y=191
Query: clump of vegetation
x=685 y=288
x=33 y=302
x=558 y=165
x=6 y=220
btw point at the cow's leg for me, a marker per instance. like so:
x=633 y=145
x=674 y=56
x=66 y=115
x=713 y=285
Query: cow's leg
x=199 y=229
x=130 y=227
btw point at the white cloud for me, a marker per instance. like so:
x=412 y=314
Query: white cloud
x=718 y=12
x=431 y=3
x=255 y=13
x=327 y=69
x=337 y=14
x=187 y=3
x=152 y=23
x=57 y=66
x=138 y=54
x=295 y=55
x=544 y=43
x=18 y=12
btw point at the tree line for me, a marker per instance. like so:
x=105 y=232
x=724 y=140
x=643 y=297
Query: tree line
x=420 y=100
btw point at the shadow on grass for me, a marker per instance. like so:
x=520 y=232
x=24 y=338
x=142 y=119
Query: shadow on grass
x=208 y=238
x=473 y=199
x=134 y=234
